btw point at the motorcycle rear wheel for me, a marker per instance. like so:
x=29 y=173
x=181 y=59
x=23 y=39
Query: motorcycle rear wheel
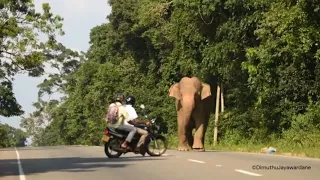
x=107 y=147
x=151 y=140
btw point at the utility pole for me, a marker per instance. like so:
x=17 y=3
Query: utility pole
x=222 y=99
x=216 y=115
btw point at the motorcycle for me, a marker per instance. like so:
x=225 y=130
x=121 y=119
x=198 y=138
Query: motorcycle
x=113 y=138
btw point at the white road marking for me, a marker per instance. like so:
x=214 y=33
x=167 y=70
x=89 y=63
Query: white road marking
x=165 y=154
x=21 y=173
x=193 y=160
x=247 y=172
x=218 y=165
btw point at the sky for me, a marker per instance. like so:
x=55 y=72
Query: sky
x=80 y=16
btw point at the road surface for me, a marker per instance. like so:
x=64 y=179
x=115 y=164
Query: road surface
x=90 y=163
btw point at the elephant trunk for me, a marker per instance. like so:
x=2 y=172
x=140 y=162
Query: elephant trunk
x=188 y=104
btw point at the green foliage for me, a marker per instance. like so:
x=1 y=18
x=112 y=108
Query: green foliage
x=11 y=137
x=8 y=103
x=264 y=52
x=20 y=49
x=65 y=61
x=305 y=129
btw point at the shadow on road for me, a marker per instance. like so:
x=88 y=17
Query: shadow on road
x=7 y=149
x=29 y=148
x=9 y=167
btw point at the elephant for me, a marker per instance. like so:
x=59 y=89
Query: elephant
x=193 y=106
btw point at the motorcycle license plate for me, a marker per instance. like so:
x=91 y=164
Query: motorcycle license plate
x=105 y=138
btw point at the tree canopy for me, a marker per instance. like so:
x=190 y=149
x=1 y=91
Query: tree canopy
x=11 y=137
x=264 y=52
x=21 y=50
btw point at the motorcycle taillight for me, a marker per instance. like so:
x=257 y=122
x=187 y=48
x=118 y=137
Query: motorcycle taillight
x=106 y=131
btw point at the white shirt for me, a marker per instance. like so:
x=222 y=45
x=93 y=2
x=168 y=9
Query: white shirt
x=132 y=114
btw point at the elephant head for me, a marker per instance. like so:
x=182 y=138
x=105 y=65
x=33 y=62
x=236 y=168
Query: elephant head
x=189 y=90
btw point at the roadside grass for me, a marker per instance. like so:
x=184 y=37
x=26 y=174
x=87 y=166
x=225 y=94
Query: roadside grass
x=281 y=146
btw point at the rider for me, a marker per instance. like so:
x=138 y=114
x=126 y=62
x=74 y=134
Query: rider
x=123 y=114
x=134 y=119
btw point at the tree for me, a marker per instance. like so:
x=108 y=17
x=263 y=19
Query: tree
x=65 y=62
x=11 y=137
x=267 y=61
x=20 y=49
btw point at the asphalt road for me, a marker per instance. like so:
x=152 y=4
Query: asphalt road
x=90 y=163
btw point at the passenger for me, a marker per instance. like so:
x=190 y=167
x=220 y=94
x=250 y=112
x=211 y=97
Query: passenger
x=121 y=116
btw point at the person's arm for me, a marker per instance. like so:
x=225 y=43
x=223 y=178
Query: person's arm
x=139 y=120
x=136 y=119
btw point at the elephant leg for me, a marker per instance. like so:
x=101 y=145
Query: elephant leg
x=182 y=132
x=201 y=127
x=205 y=126
x=190 y=138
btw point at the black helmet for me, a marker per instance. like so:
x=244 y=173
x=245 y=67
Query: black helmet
x=130 y=100
x=119 y=97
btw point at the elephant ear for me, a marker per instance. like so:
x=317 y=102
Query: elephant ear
x=174 y=91
x=206 y=91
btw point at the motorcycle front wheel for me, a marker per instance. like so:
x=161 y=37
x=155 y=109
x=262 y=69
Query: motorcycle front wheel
x=108 y=147
x=156 y=142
